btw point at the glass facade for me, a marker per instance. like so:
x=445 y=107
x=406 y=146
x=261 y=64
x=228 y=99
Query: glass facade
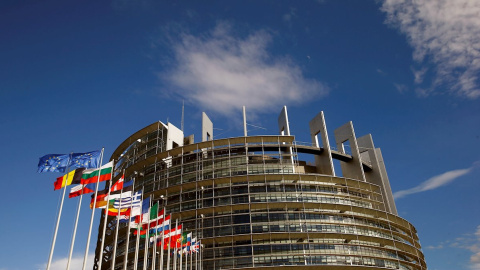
x=254 y=204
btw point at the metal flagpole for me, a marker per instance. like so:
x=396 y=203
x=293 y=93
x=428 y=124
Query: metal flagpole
x=58 y=217
x=137 y=242
x=163 y=234
x=85 y=257
x=75 y=230
x=118 y=223
x=169 y=244
x=181 y=250
x=145 y=254
x=154 y=249
x=175 y=259
x=186 y=254
x=105 y=220
x=125 y=261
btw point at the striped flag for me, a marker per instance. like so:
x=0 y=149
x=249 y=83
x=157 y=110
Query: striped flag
x=81 y=189
x=73 y=177
x=128 y=202
x=104 y=173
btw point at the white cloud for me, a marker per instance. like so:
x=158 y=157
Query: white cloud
x=221 y=72
x=401 y=88
x=75 y=264
x=445 y=32
x=434 y=182
x=472 y=243
x=419 y=74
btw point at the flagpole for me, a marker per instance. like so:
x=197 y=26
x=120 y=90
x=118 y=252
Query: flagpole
x=163 y=234
x=50 y=256
x=175 y=259
x=186 y=255
x=154 y=248
x=181 y=251
x=75 y=230
x=145 y=253
x=118 y=223
x=129 y=226
x=175 y=248
x=137 y=242
x=85 y=257
x=105 y=219
x=169 y=244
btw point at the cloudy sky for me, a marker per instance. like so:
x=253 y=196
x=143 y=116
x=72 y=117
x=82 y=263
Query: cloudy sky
x=79 y=76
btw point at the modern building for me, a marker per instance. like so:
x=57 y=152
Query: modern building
x=257 y=204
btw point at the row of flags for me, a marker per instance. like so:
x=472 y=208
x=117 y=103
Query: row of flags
x=119 y=200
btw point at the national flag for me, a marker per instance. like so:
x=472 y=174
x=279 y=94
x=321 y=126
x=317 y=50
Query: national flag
x=72 y=177
x=188 y=243
x=130 y=202
x=195 y=245
x=102 y=202
x=150 y=217
x=184 y=239
x=114 y=212
x=155 y=221
x=53 y=163
x=119 y=184
x=163 y=226
x=102 y=194
x=81 y=189
x=154 y=211
x=138 y=212
x=171 y=237
x=87 y=160
x=102 y=174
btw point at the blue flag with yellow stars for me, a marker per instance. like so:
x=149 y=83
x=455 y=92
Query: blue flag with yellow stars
x=53 y=163
x=86 y=160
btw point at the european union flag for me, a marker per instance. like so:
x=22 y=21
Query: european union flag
x=86 y=160
x=53 y=163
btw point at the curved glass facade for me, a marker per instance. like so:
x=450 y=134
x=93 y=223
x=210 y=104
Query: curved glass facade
x=254 y=204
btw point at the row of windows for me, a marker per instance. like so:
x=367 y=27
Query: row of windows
x=262 y=198
x=297 y=191
x=307 y=249
x=287 y=218
x=302 y=260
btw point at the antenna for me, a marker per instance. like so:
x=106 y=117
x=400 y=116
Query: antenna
x=183 y=112
x=244 y=122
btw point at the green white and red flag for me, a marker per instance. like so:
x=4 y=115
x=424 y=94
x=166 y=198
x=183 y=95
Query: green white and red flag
x=104 y=173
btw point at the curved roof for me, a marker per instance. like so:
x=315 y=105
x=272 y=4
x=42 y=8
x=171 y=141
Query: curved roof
x=135 y=136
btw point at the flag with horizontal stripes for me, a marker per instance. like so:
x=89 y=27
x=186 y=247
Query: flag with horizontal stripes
x=104 y=173
x=163 y=226
x=114 y=212
x=132 y=201
x=102 y=203
x=81 y=189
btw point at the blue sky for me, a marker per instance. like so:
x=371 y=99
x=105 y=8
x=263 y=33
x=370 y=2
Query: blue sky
x=79 y=76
